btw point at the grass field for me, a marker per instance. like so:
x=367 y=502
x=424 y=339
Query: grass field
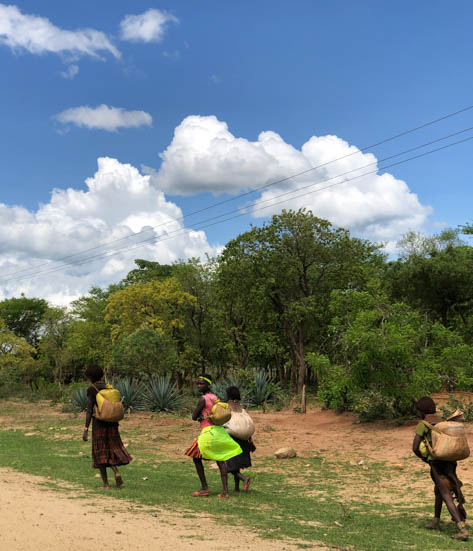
x=328 y=499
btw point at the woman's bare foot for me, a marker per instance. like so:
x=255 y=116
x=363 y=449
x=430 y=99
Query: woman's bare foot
x=104 y=487
x=246 y=486
x=118 y=480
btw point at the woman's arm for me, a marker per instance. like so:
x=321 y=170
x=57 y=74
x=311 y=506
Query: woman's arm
x=88 y=415
x=198 y=410
x=415 y=447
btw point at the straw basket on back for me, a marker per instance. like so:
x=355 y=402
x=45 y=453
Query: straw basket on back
x=449 y=441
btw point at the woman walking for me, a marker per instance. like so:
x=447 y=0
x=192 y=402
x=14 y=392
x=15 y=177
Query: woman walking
x=243 y=460
x=217 y=443
x=443 y=473
x=107 y=447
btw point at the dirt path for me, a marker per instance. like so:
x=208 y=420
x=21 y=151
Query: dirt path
x=34 y=518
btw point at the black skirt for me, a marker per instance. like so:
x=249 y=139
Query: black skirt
x=242 y=461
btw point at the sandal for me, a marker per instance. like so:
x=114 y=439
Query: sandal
x=224 y=496
x=201 y=493
x=246 y=485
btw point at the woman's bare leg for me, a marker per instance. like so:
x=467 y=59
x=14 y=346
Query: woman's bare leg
x=222 y=465
x=103 y=474
x=199 y=467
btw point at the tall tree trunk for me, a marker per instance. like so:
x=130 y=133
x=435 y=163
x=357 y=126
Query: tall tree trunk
x=296 y=346
x=279 y=369
x=301 y=358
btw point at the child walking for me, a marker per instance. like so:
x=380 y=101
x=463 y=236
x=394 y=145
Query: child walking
x=214 y=440
x=443 y=473
x=242 y=461
x=107 y=447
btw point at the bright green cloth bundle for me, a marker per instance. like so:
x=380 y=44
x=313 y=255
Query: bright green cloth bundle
x=215 y=443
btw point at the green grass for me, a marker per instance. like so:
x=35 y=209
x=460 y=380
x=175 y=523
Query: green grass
x=301 y=498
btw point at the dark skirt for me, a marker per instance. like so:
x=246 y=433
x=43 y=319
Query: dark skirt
x=107 y=446
x=242 y=461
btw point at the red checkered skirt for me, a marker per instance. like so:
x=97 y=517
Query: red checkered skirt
x=107 y=446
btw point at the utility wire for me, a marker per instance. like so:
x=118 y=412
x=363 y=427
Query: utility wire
x=260 y=188
x=213 y=220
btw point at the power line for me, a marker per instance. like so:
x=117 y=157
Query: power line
x=260 y=188
x=213 y=220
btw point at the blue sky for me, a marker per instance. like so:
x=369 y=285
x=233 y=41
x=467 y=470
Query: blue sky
x=208 y=73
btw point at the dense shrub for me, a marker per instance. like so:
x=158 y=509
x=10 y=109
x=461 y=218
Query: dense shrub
x=457 y=402
x=131 y=392
x=219 y=388
x=162 y=395
x=79 y=399
x=262 y=389
x=371 y=405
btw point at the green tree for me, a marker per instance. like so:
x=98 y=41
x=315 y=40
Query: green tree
x=439 y=282
x=291 y=266
x=158 y=305
x=88 y=339
x=204 y=329
x=16 y=356
x=146 y=351
x=53 y=353
x=384 y=355
x=24 y=316
x=147 y=271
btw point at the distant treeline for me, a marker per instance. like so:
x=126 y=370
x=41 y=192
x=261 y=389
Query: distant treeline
x=297 y=298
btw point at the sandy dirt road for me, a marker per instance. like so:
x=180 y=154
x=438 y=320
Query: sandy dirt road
x=35 y=518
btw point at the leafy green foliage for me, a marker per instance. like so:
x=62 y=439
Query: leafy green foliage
x=131 y=393
x=161 y=395
x=262 y=389
x=384 y=359
x=458 y=402
x=24 y=316
x=144 y=351
x=219 y=388
x=293 y=302
x=373 y=404
x=79 y=399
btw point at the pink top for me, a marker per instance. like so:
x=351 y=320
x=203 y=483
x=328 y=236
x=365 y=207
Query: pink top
x=210 y=399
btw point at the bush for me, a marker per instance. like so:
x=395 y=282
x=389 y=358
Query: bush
x=262 y=389
x=219 y=388
x=454 y=403
x=162 y=395
x=372 y=405
x=79 y=399
x=131 y=392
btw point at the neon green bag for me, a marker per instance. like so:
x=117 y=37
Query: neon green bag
x=215 y=443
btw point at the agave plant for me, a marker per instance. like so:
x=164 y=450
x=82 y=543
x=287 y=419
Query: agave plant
x=219 y=388
x=132 y=393
x=262 y=389
x=162 y=395
x=79 y=399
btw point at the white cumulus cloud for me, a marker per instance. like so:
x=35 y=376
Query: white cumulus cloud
x=104 y=117
x=146 y=27
x=118 y=203
x=37 y=35
x=204 y=156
